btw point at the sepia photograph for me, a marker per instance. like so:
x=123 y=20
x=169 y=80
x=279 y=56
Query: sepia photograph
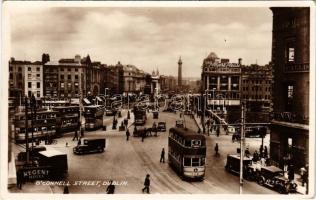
x=157 y=98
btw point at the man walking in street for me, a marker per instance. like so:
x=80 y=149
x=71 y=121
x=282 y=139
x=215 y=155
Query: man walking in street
x=111 y=188
x=146 y=184
x=127 y=134
x=19 y=178
x=75 y=136
x=216 y=149
x=162 y=156
x=217 y=131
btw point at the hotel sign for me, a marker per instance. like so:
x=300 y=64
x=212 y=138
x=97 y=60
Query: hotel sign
x=36 y=173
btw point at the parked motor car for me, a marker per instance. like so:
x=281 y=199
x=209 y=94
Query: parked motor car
x=179 y=124
x=162 y=126
x=273 y=177
x=155 y=114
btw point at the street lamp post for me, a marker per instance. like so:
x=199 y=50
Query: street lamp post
x=26 y=131
x=213 y=97
x=242 y=144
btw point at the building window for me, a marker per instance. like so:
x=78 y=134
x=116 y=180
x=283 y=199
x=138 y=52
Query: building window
x=37 y=69
x=38 y=84
x=62 y=85
x=291 y=52
x=61 y=76
x=69 y=77
x=62 y=69
x=69 y=85
x=11 y=76
x=20 y=69
x=29 y=84
x=76 y=76
x=290 y=91
x=10 y=69
x=29 y=69
x=76 y=69
x=38 y=75
x=69 y=69
x=38 y=94
x=29 y=76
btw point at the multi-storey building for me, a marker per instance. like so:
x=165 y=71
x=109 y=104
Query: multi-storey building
x=290 y=58
x=256 y=92
x=25 y=78
x=65 y=78
x=16 y=77
x=33 y=79
x=167 y=83
x=221 y=81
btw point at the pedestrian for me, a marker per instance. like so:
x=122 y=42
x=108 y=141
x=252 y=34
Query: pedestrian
x=146 y=184
x=255 y=156
x=247 y=152
x=79 y=142
x=125 y=122
x=127 y=134
x=82 y=132
x=143 y=134
x=66 y=144
x=305 y=176
x=302 y=173
x=155 y=128
x=111 y=188
x=66 y=190
x=233 y=137
x=261 y=151
x=291 y=172
x=162 y=156
x=75 y=136
x=217 y=132
x=216 y=149
x=265 y=152
x=19 y=179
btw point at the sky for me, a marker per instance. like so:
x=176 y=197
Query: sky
x=147 y=37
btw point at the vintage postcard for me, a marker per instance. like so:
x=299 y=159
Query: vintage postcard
x=122 y=100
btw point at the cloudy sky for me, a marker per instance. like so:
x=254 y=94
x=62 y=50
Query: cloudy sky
x=148 y=38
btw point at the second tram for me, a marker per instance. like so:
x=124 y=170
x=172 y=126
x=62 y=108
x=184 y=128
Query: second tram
x=67 y=118
x=93 y=116
x=186 y=153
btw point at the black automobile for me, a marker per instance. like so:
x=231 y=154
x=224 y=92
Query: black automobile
x=90 y=146
x=155 y=114
x=179 y=124
x=161 y=126
x=273 y=177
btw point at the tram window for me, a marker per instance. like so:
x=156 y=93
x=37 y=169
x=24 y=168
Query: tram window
x=187 y=162
x=187 y=143
x=196 y=143
x=195 y=162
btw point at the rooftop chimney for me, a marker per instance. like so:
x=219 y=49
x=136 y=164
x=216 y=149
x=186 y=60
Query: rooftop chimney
x=239 y=61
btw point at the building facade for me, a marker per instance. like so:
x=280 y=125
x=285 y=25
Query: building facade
x=221 y=82
x=290 y=58
x=25 y=78
x=256 y=91
x=65 y=78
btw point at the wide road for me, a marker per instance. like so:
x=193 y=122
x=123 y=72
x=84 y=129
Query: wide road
x=128 y=162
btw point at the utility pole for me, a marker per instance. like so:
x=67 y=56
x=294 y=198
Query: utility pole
x=242 y=145
x=26 y=132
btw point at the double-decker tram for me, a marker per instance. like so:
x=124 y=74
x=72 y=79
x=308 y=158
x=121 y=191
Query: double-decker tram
x=93 y=115
x=67 y=118
x=44 y=126
x=186 y=153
